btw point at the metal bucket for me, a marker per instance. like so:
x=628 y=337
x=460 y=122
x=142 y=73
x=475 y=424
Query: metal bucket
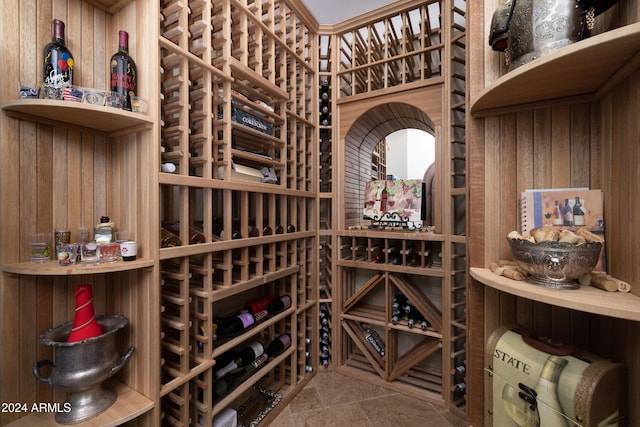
x=81 y=367
x=529 y=29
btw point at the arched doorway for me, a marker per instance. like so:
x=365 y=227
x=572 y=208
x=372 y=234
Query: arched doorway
x=359 y=142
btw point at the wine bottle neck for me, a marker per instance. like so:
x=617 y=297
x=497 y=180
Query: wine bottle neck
x=58 y=31
x=123 y=41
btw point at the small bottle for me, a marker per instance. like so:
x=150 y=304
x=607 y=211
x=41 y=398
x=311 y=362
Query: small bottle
x=123 y=71
x=578 y=213
x=58 y=64
x=278 y=345
x=104 y=230
x=461 y=387
x=235 y=325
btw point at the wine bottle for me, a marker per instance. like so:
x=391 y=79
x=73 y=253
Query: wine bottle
x=461 y=387
x=384 y=198
x=557 y=214
x=58 y=64
x=168 y=239
x=275 y=306
x=324 y=359
x=374 y=339
x=399 y=301
x=123 y=71
x=325 y=332
x=257 y=305
x=460 y=371
x=567 y=213
x=278 y=345
x=578 y=213
x=416 y=317
x=395 y=316
x=226 y=384
x=546 y=389
x=195 y=236
x=234 y=325
x=241 y=359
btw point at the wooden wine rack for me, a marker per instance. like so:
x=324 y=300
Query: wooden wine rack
x=401 y=68
x=236 y=84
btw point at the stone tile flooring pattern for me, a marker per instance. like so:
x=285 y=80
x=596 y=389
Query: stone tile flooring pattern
x=335 y=400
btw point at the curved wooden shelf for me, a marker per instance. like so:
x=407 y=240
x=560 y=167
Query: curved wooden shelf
x=582 y=68
x=586 y=298
x=52 y=268
x=109 y=121
x=129 y=404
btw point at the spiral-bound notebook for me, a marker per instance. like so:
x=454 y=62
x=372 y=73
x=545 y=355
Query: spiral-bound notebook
x=565 y=208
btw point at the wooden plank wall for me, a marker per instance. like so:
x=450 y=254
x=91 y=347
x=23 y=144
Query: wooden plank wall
x=53 y=176
x=586 y=144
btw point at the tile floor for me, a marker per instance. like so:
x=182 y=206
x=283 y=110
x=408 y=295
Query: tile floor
x=335 y=400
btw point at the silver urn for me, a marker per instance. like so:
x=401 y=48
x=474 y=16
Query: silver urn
x=81 y=367
x=555 y=264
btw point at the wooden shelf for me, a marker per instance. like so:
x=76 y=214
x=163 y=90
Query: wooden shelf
x=52 y=268
x=586 y=298
x=128 y=405
x=582 y=68
x=112 y=122
x=400 y=235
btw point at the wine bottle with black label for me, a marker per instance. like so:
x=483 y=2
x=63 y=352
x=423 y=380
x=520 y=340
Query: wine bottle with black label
x=58 y=64
x=123 y=71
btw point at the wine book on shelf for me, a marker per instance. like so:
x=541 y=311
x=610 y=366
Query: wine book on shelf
x=565 y=208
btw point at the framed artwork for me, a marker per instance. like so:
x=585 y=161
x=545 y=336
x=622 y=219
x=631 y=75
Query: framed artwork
x=402 y=205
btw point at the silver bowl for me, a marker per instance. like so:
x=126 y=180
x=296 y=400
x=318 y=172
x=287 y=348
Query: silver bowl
x=555 y=264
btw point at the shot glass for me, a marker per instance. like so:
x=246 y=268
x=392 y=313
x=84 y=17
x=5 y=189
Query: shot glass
x=129 y=250
x=67 y=253
x=62 y=237
x=109 y=252
x=90 y=254
x=84 y=235
x=40 y=246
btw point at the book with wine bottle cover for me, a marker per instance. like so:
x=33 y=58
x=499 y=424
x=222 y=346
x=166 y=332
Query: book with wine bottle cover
x=564 y=208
